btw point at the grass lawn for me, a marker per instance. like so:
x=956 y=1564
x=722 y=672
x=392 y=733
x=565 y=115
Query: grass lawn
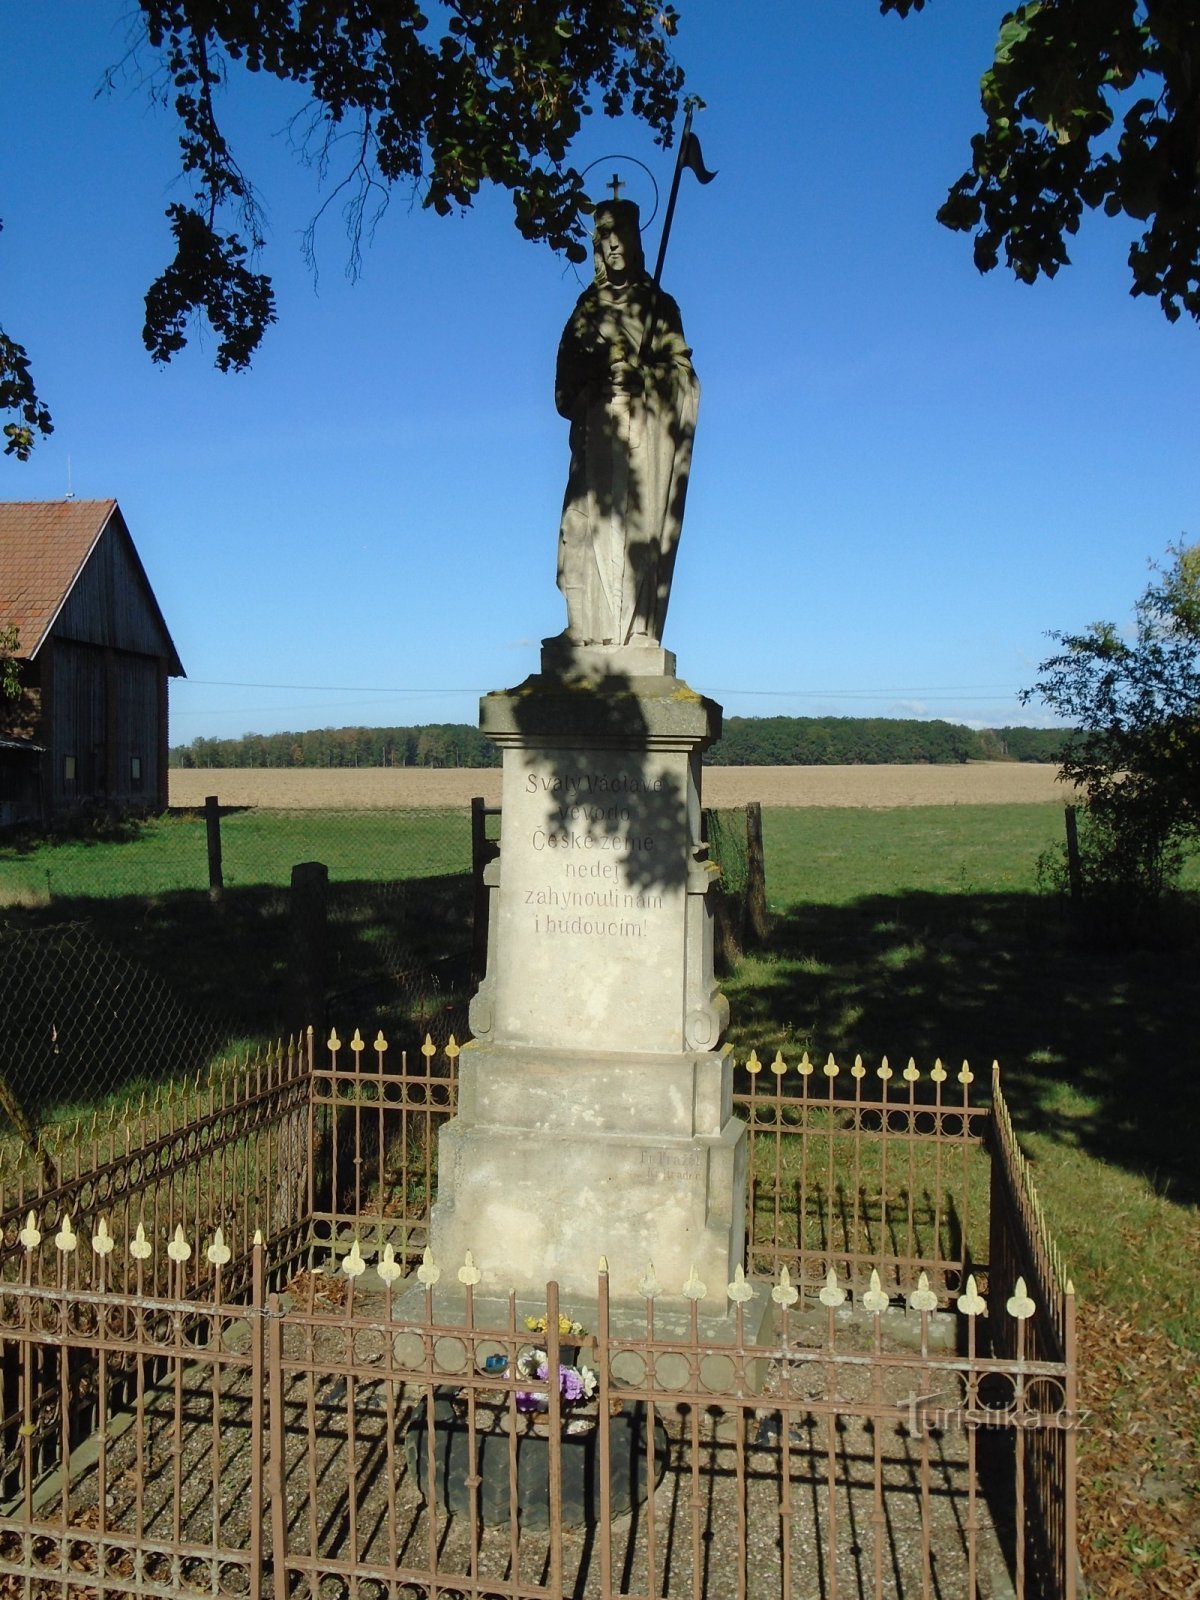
x=921 y=932
x=170 y=853
x=915 y=932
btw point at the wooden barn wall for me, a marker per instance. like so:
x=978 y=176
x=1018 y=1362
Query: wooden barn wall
x=104 y=710
x=20 y=790
x=22 y=717
x=109 y=604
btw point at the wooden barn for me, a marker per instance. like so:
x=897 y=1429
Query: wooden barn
x=94 y=655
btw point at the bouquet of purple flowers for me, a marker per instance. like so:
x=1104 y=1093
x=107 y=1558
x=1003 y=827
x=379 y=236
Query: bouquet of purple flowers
x=576 y=1385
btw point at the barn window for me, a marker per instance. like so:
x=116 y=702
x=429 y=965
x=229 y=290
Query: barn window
x=135 y=772
x=68 y=769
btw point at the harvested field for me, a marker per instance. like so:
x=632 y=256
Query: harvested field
x=876 y=788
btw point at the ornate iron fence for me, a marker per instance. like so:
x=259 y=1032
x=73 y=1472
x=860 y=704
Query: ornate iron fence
x=219 y=1375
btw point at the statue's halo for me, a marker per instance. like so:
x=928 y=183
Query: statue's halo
x=632 y=161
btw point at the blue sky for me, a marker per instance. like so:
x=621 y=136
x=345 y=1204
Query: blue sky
x=905 y=473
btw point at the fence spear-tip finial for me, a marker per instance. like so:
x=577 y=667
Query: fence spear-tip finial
x=389 y=1269
x=785 y=1293
x=65 y=1238
x=140 y=1247
x=693 y=1288
x=832 y=1294
x=103 y=1242
x=923 y=1297
x=739 y=1291
x=1019 y=1303
x=179 y=1249
x=353 y=1264
x=29 y=1235
x=469 y=1274
x=876 y=1299
x=428 y=1272
x=971 y=1303
x=218 y=1252
x=649 y=1287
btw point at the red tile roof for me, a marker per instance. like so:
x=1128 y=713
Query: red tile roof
x=44 y=546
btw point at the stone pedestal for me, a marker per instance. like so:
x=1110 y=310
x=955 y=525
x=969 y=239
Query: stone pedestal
x=594 y=1113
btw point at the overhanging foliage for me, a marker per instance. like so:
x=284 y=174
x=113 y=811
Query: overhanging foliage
x=1134 y=699
x=1090 y=105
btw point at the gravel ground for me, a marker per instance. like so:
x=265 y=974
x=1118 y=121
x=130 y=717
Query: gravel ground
x=699 y=1540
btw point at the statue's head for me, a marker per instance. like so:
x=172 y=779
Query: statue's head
x=617 y=243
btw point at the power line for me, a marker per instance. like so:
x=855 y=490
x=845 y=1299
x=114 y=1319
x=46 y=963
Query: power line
x=940 y=690
x=319 y=688
x=969 y=693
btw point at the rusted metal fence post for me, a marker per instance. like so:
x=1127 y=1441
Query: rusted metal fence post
x=212 y=824
x=276 y=1468
x=257 y=1439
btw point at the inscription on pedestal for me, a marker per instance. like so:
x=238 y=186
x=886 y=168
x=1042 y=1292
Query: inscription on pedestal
x=683 y=1166
x=584 y=894
x=591 y=898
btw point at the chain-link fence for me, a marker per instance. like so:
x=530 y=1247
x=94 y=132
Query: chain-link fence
x=80 y=1021
x=734 y=838
x=129 y=960
x=142 y=957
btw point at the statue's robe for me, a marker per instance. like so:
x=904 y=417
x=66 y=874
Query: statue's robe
x=631 y=451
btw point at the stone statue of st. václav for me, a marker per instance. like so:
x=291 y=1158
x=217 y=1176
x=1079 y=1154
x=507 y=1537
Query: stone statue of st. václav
x=626 y=383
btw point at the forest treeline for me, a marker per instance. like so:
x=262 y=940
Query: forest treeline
x=745 y=742
x=874 y=741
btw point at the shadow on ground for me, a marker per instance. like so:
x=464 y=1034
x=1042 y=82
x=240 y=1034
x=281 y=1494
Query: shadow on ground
x=1095 y=1045
x=99 y=996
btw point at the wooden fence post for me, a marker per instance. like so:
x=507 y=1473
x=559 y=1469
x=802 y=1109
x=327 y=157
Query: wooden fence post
x=310 y=943
x=212 y=823
x=757 y=922
x=728 y=909
x=1074 y=865
x=483 y=850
